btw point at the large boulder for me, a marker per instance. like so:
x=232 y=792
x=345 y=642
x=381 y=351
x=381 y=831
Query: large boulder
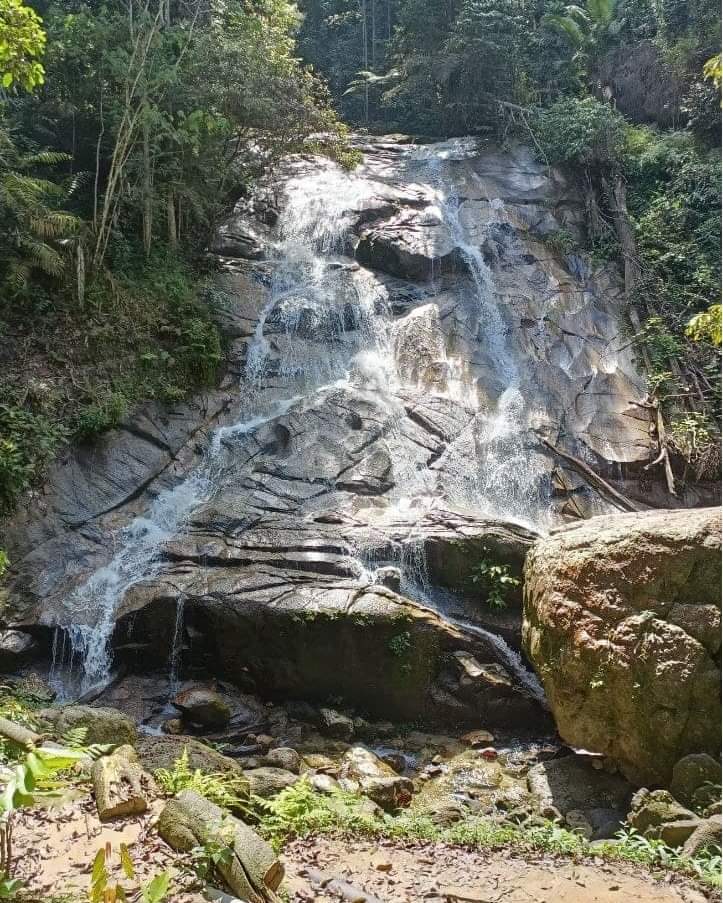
x=622 y=623
x=100 y=724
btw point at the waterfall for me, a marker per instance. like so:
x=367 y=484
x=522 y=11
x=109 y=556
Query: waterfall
x=343 y=314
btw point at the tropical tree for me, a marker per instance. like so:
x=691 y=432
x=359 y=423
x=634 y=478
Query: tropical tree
x=22 y=41
x=588 y=30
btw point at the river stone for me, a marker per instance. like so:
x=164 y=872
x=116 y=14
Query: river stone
x=690 y=776
x=623 y=679
x=363 y=770
x=267 y=782
x=676 y=833
x=103 y=725
x=335 y=724
x=285 y=758
x=16 y=649
x=649 y=810
x=203 y=707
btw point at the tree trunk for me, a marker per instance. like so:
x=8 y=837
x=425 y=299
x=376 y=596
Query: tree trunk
x=18 y=734
x=172 y=225
x=118 y=783
x=147 y=198
x=252 y=871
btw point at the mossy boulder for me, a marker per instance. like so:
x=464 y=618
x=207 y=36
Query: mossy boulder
x=622 y=624
x=696 y=780
x=102 y=725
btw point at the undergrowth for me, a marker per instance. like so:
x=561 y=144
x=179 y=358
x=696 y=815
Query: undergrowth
x=299 y=812
x=226 y=790
x=72 y=371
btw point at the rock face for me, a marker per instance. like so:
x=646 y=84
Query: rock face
x=622 y=622
x=401 y=338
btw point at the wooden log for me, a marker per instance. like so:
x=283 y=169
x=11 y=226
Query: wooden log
x=253 y=871
x=120 y=784
x=339 y=887
x=17 y=734
x=602 y=487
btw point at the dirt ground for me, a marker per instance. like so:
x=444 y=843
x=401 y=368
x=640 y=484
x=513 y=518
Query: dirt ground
x=436 y=873
x=55 y=848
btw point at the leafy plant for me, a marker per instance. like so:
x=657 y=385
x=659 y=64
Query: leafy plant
x=105 y=888
x=226 y=790
x=495 y=580
x=400 y=645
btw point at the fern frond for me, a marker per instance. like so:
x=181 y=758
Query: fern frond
x=42 y=256
x=54 y=224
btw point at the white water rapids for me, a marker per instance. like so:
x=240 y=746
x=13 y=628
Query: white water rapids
x=488 y=467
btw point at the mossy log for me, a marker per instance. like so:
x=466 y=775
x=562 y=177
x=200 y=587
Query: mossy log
x=120 y=784
x=253 y=871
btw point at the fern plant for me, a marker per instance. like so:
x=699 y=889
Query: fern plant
x=226 y=790
x=35 y=235
x=495 y=580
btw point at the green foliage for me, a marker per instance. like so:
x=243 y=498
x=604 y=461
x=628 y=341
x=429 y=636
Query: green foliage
x=225 y=790
x=34 y=230
x=400 y=645
x=4 y=562
x=106 y=888
x=28 y=441
x=495 y=581
x=299 y=811
x=589 y=30
x=706 y=326
x=582 y=132
x=22 y=41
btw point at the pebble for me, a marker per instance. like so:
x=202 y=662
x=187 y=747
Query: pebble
x=489 y=753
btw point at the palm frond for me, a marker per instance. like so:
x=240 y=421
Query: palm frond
x=567 y=27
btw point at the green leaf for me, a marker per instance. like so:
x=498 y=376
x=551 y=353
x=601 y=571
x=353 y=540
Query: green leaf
x=157 y=889
x=126 y=861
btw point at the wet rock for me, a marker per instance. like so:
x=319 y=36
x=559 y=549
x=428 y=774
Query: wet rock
x=203 y=707
x=478 y=739
x=285 y=758
x=390 y=577
x=696 y=780
x=173 y=726
x=267 y=782
x=650 y=810
x=163 y=752
x=102 y=725
x=335 y=724
x=16 y=649
x=621 y=676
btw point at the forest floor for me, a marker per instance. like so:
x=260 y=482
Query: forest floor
x=55 y=849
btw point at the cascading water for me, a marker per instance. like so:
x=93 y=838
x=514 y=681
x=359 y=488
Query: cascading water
x=344 y=317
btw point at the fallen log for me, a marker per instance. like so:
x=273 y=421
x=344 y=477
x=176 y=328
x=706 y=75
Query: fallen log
x=252 y=870
x=339 y=887
x=17 y=734
x=120 y=784
x=601 y=486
